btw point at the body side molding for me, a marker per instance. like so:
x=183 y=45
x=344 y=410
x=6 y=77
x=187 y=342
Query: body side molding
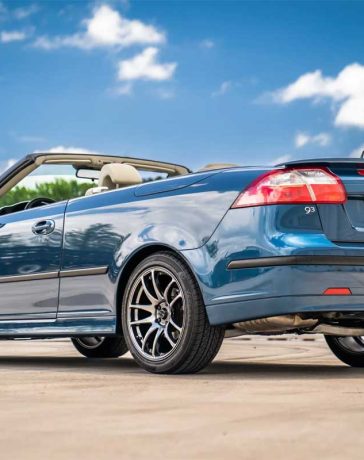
x=296 y=260
x=28 y=277
x=54 y=274
x=84 y=271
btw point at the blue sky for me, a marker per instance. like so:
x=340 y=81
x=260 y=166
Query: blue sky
x=186 y=81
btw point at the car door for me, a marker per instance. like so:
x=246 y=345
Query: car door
x=91 y=242
x=30 y=255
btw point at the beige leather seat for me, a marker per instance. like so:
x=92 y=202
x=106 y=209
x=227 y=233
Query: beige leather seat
x=116 y=175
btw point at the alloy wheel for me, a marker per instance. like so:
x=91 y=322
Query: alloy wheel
x=155 y=313
x=352 y=344
x=90 y=342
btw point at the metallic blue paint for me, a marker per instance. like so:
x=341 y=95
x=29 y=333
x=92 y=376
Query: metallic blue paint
x=251 y=233
x=24 y=253
x=191 y=215
x=111 y=227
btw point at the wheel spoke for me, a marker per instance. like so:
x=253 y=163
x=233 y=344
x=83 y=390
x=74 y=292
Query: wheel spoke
x=150 y=319
x=91 y=342
x=179 y=296
x=147 y=308
x=166 y=335
x=166 y=291
x=179 y=329
x=155 y=286
x=155 y=341
x=147 y=292
x=150 y=331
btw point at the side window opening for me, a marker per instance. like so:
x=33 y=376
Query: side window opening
x=58 y=182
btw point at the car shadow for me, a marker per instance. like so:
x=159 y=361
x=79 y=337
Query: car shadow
x=216 y=371
x=281 y=371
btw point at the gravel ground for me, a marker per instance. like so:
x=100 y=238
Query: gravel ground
x=260 y=398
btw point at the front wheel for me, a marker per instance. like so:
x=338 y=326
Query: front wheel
x=350 y=350
x=100 y=347
x=164 y=318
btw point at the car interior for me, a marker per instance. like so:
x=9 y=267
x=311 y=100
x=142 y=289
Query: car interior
x=88 y=175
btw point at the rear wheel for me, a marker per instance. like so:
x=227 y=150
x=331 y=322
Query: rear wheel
x=100 y=347
x=164 y=318
x=350 y=350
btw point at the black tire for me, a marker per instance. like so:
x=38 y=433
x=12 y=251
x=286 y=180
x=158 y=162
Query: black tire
x=350 y=350
x=197 y=342
x=108 y=347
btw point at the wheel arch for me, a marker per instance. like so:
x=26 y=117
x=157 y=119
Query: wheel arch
x=134 y=259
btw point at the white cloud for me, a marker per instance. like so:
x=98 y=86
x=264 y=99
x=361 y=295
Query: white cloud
x=12 y=36
x=303 y=139
x=281 y=159
x=123 y=90
x=106 y=28
x=144 y=66
x=357 y=152
x=346 y=90
x=4 y=165
x=225 y=87
x=70 y=149
x=26 y=11
x=207 y=43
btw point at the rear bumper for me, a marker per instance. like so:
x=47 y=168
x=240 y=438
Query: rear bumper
x=275 y=260
x=233 y=312
x=296 y=285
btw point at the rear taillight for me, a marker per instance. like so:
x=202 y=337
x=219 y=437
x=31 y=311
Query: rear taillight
x=337 y=291
x=293 y=186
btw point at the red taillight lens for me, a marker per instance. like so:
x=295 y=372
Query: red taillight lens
x=293 y=186
x=337 y=291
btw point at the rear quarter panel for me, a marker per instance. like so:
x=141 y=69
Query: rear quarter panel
x=108 y=228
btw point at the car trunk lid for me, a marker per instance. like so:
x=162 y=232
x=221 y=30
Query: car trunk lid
x=342 y=223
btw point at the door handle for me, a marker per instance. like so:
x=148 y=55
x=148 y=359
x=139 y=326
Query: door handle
x=43 y=227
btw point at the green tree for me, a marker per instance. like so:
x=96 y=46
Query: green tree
x=58 y=190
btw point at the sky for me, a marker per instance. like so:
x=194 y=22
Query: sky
x=191 y=82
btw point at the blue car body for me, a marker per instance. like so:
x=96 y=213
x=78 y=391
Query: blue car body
x=250 y=262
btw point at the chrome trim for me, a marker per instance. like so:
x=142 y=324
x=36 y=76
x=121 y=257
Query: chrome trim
x=51 y=275
x=84 y=271
x=82 y=313
x=28 y=277
x=27 y=321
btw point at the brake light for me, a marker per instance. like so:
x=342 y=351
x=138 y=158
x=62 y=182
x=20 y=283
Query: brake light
x=293 y=186
x=337 y=291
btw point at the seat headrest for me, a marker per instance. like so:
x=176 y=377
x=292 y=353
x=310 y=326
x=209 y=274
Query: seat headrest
x=115 y=175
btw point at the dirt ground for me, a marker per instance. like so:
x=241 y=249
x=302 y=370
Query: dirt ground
x=259 y=399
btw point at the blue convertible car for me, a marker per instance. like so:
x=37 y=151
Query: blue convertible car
x=167 y=268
